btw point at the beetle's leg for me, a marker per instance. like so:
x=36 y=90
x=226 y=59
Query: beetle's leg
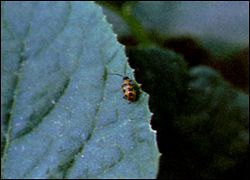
x=123 y=85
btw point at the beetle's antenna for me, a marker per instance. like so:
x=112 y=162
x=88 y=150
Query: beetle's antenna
x=125 y=68
x=116 y=74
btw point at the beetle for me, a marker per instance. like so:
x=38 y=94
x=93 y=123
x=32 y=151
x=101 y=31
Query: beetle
x=130 y=89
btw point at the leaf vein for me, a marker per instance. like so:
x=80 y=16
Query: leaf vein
x=93 y=126
x=36 y=119
x=13 y=104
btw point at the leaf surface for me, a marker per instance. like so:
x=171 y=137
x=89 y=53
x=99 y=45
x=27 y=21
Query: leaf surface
x=62 y=112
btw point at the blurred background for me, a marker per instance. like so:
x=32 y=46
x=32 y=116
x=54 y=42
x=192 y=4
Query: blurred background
x=192 y=58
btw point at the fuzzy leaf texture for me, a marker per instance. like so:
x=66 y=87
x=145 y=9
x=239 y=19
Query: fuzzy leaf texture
x=62 y=112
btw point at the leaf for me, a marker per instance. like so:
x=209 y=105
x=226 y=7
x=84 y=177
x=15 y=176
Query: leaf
x=163 y=75
x=201 y=18
x=201 y=121
x=224 y=24
x=221 y=27
x=216 y=123
x=62 y=113
x=119 y=25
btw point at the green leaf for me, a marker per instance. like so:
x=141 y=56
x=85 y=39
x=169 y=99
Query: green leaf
x=201 y=121
x=224 y=20
x=62 y=112
x=163 y=75
x=119 y=25
x=221 y=27
x=215 y=123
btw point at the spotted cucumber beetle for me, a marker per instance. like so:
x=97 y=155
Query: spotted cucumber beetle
x=130 y=88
